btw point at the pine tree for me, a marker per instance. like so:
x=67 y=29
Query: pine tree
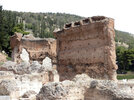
x=1 y=28
x=5 y=30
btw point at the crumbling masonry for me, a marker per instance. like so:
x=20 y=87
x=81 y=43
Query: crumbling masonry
x=87 y=46
x=37 y=48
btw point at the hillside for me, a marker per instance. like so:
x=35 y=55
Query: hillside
x=41 y=25
x=124 y=37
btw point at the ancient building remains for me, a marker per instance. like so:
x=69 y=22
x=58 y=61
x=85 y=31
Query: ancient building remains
x=87 y=46
x=36 y=48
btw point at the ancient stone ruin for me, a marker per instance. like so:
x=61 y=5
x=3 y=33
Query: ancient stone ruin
x=84 y=53
x=33 y=66
x=33 y=49
x=87 y=46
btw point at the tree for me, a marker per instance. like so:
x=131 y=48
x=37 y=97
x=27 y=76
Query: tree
x=4 y=38
x=129 y=59
x=120 y=57
x=7 y=22
x=1 y=27
x=125 y=59
x=19 y=28
x=4 y=32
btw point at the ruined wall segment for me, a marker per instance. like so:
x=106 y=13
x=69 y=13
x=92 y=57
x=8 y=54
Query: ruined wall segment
x=87 y=46
x=37 y=48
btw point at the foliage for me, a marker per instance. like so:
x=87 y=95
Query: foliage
x=43 y=24
x=5 y=31
x=19 y=28
x=120 y=57
x=125 y=59
x=120 y=77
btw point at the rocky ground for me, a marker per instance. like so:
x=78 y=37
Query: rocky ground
x=23 y=81
x=35 y=81
x=2 y=57
x=82 y=87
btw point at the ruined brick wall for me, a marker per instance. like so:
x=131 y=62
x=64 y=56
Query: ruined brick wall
x=37 y=48
x=87 y=46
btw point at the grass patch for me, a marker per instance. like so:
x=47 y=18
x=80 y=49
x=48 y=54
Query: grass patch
x=1 y=63
x=9 y=58
x=125 y=76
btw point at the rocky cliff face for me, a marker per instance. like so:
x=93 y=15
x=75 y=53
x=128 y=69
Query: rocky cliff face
x=87 y=46
x=37 y=48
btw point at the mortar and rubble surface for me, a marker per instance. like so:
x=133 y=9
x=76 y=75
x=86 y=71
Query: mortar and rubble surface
x=80 y=64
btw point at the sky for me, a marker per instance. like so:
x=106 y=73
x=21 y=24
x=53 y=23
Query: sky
x=120 y=10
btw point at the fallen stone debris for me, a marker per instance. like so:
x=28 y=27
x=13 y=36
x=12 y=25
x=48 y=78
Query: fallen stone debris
x=24 y=80
x=82 y=87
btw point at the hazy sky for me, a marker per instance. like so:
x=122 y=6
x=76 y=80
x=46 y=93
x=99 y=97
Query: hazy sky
x=121 y=10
